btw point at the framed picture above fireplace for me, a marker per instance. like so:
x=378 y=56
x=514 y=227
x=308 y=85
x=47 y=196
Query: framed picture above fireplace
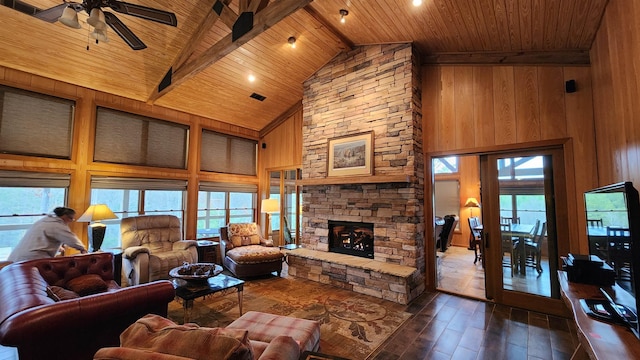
x=350 y=155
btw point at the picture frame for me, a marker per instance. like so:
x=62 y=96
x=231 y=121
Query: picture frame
x=350 y=155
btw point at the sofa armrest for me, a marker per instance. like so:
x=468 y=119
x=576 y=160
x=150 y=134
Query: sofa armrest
x=184 y=244
x=122 y=353
x=133 y=251
x=266 y=242
x=281 y=348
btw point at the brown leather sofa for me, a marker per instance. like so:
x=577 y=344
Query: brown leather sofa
x=245 y=253
x=43 y=328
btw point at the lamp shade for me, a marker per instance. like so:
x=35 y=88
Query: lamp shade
x=472 y=202
x=270 y=206
x=97 y=213
x=69 y=17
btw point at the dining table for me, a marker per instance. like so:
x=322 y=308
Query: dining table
x=520 y=232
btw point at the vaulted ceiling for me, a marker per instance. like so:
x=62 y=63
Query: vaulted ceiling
x=209 y=64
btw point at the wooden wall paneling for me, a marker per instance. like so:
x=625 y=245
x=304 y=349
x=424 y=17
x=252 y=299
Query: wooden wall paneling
x=527 y=104
x=550 y=23
x=582 y=166
x=469 y=177
x=431 y=95
x=513 y=20
x=446 y=126
x=551 y=95
x=504 y=105
x=538 y=23
x=484 y=127
x=463 y=98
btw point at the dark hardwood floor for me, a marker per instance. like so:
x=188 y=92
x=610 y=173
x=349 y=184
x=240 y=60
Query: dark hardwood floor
x=446 y=326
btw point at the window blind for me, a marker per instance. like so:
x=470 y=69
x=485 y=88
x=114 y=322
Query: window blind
x=227 y=154
x=126 y=138
x=35 y=124
x=107 y=182
x=228 y=187
x=34 y=179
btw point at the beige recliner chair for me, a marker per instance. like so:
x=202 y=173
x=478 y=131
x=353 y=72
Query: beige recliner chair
x=152 y=245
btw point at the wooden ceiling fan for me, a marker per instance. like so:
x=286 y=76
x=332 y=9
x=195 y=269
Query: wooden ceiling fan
x=98 y=17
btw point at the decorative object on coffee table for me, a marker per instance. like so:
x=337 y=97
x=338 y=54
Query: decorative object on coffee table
x=195 y=272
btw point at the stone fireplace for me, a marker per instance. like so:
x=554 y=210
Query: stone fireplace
x=371 y=88
x=352 y=238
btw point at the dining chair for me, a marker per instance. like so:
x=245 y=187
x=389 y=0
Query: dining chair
x=619 y=251
x=508 y=247
x=594 y=223
x=533 y=248
x=509 y=220
x=475 y=238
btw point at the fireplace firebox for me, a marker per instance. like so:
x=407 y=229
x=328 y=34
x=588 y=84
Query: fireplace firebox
x=352 y=238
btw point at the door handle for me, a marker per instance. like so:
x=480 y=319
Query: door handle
x=486 y=240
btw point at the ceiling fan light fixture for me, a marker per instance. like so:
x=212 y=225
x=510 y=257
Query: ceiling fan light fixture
x=69 y=17
x=343 y=13
x=96 y=19
x=99 y=35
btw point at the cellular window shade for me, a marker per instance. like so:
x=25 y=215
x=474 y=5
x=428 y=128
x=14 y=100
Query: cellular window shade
x=228 y=187
x=447 y=197
x=227 y=154
x=107 y=182
x=35 y=124
x=34 y=179
x=137 y=140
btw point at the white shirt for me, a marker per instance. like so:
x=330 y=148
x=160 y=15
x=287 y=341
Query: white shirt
x=44 y=239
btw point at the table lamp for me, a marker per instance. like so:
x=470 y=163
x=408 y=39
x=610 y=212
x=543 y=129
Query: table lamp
x=95 y=214
x=269 y=206
x=472 y=203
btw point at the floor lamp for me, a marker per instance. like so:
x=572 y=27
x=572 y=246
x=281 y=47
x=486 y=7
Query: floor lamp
x=97 y=213
x=269 y=206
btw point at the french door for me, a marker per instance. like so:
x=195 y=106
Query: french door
x=523 y=201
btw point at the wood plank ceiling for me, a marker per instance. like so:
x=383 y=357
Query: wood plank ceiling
x=210 y=71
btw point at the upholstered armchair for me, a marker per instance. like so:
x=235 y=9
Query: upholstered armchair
x=152 y=245
x=245 y=253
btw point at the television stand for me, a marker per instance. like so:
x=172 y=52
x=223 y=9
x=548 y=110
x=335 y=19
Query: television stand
x=599 y=339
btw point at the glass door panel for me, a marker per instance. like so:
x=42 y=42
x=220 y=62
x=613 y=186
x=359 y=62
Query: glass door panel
x=519 y=195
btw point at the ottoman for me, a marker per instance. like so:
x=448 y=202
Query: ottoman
x=266 y=327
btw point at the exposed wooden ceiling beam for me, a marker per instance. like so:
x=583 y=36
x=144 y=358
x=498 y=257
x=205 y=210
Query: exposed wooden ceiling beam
x=263 y=20
x=564 y=57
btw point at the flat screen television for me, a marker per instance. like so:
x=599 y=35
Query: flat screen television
x=613 y=230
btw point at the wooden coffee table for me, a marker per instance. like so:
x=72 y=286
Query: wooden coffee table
x=190 y=290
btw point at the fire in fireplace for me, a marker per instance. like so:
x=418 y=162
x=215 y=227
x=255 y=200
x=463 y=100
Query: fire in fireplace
x=352 y=238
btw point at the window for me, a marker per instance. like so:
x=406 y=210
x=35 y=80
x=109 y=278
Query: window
x=125 y=138
x=227 y=154
x=27 y=197
x=128 y=197
x=35 y=124
x=445 y=165
x=522 y=188
x=221 y=203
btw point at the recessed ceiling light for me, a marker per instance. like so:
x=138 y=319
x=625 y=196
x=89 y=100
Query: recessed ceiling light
x=417 y=2
x=292 y=41
x=252 y=78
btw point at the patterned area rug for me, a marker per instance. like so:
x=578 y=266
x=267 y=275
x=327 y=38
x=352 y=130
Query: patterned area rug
x=353 y=325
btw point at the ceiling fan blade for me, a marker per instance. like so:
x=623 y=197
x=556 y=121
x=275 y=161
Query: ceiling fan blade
x=125 y=33
x=49 y=15
x=161 y=16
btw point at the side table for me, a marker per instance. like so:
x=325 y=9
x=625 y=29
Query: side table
x=207 y=252
x=117 y=264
